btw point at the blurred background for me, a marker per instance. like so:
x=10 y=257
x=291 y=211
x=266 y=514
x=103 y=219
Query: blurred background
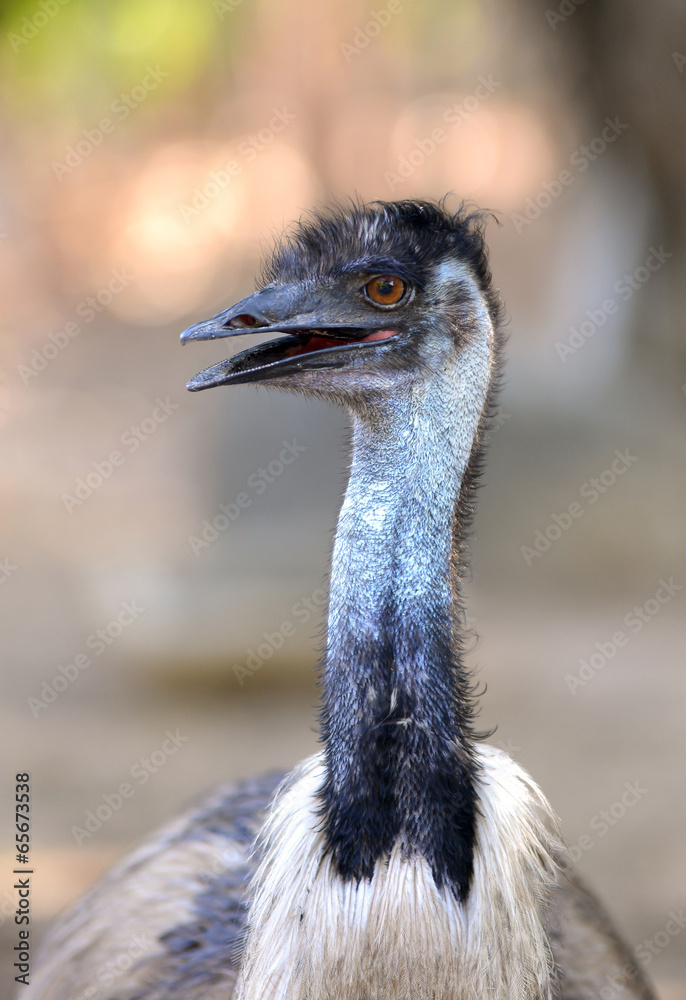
x=150 y=150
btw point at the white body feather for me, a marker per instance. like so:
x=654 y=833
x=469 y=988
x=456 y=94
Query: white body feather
x=312 y=935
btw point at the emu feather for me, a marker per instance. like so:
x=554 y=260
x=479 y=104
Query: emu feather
x=407 y=860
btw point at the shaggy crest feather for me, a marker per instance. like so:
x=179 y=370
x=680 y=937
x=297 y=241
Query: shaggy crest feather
x=336 y=239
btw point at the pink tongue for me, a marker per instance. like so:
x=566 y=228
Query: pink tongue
x=317 y=343
x=379 y=335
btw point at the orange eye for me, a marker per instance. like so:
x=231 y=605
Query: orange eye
x=385 y=290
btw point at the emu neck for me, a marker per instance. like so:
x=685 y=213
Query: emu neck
x=396 y=708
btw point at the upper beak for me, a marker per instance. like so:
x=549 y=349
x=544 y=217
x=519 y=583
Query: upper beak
x=274 y=309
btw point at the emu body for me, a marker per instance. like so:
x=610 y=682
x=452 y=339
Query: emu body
x=407 y=860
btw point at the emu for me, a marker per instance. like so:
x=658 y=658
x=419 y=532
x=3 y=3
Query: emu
x=408 y=859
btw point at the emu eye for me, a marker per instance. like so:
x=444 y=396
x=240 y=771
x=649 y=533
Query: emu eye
x=385 y=290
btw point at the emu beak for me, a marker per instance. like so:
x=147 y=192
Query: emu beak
x=321 y=327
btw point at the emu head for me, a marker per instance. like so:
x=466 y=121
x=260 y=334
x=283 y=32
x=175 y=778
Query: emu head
x=366 y=300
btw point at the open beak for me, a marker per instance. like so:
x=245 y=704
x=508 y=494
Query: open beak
x=312 y=338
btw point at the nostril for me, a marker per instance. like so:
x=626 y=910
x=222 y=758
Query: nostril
x=244 y=320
